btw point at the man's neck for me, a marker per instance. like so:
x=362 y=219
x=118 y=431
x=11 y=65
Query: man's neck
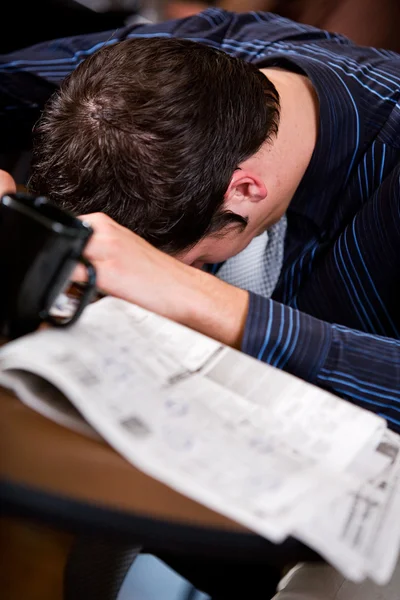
x=290 y=152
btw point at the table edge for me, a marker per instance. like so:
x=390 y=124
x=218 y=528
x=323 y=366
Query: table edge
x=17 y=500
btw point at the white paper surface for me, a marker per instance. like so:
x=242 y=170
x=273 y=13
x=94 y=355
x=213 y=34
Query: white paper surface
x=358 y=529
x=276 y=454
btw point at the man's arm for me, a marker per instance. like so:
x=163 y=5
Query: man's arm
x=362 y=368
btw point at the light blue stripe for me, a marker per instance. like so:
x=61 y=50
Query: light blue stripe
x=357 y=132
x=359 y=384
x=279 y=338
x=373 y=161
x=335 y=65
x=54 y=74
x=395 y=421
x=323 y=353
x=351 y=63
x=268 y=331
x=291 y=281
x=369 y=336
x=356 y=396
x=366 y=175
x=82 y=54
x=208 y=17
x=148 y=35
x=241 y=50
x=60 y=61
x=364 y=351
x=313 y=251
x=382 y=163
x=217 y=12
x=288 y=338
x=364 y=85
x=255 y=43
x=295 y=339
x=298 y=263
x=257 y=17
x=45 y=68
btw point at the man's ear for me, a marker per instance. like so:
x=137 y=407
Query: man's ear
x=244 y=189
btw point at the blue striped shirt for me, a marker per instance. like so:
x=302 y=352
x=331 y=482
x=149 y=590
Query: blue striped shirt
x=334 y=318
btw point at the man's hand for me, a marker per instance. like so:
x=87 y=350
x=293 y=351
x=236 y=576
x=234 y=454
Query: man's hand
x=130 y=268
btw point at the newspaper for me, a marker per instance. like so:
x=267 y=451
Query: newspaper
x=256 y=444
x=358 y=530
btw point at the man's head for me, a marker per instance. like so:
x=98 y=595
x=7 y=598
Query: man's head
x=154 y=132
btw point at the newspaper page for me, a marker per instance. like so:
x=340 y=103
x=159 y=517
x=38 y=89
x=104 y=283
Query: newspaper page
x=232 y=433
x=357 y=531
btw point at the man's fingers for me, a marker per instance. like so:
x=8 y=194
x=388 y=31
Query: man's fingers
x=79 y=274
x=106 y=236
x=98 y=220
x=7 y=184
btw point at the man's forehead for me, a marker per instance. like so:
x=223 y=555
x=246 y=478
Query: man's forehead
x=212 y=248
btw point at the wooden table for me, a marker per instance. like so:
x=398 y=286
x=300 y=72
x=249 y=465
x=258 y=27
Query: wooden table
x=68 y=483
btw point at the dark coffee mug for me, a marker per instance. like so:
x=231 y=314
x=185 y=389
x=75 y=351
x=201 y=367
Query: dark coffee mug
x=40 y=245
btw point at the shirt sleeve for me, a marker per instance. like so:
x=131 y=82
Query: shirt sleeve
x=360 y=367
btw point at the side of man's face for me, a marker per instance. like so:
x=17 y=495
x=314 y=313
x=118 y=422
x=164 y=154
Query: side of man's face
x=218 y=248
x=248 y=196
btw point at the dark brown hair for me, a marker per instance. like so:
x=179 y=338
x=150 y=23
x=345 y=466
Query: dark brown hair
x=150 y=132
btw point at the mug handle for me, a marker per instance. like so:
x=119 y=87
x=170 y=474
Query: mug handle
x=87 y=296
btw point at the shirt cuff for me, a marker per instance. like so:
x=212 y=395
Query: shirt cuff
x=286 y=338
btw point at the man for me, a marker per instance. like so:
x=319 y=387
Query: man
x=278 y=173
x=199 y=152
